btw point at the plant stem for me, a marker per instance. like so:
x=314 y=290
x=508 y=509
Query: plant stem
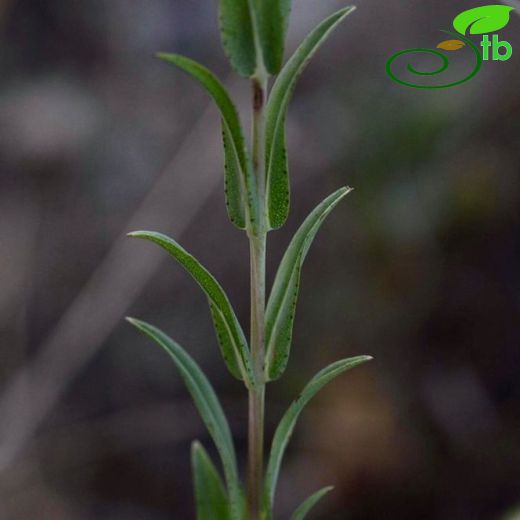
x=257 y=246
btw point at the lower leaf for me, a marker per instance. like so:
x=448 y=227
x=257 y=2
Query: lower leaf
x=207 y=404
x=286 y=427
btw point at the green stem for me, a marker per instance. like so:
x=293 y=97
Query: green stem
x=257 y=243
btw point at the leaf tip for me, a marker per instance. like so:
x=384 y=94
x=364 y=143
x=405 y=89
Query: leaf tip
x=136 y=234
x=343 y=13
x=133 y=321
x=162 y=55
x=196 y=447
x=348 y=9
x=345 y=190
x=138 y=324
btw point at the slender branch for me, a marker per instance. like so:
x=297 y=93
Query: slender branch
x=257 y=244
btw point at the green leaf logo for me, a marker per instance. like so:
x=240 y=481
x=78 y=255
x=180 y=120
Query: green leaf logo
x=482 y=20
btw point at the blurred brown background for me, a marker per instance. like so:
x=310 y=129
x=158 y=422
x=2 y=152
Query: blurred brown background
x=418 y=267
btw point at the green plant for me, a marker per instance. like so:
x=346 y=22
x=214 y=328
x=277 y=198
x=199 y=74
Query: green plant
x=257 y=199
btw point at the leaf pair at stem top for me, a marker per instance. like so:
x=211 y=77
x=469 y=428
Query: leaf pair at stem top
x=242 y=198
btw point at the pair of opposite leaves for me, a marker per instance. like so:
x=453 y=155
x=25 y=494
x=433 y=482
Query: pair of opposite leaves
x=480 y=20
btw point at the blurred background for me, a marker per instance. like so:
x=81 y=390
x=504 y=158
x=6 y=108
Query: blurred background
x=418 y=267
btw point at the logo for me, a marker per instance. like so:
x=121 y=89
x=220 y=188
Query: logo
x=478 y=21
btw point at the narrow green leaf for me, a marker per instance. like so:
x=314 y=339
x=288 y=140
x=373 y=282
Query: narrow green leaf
x=309 y=503
x=286 y=427
x=237 y=34
x=277 y=199
x=272 y=21
x=284 y=294
x=207 y=404
x=231 y=337
x=210 y=495
x=239 y=179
